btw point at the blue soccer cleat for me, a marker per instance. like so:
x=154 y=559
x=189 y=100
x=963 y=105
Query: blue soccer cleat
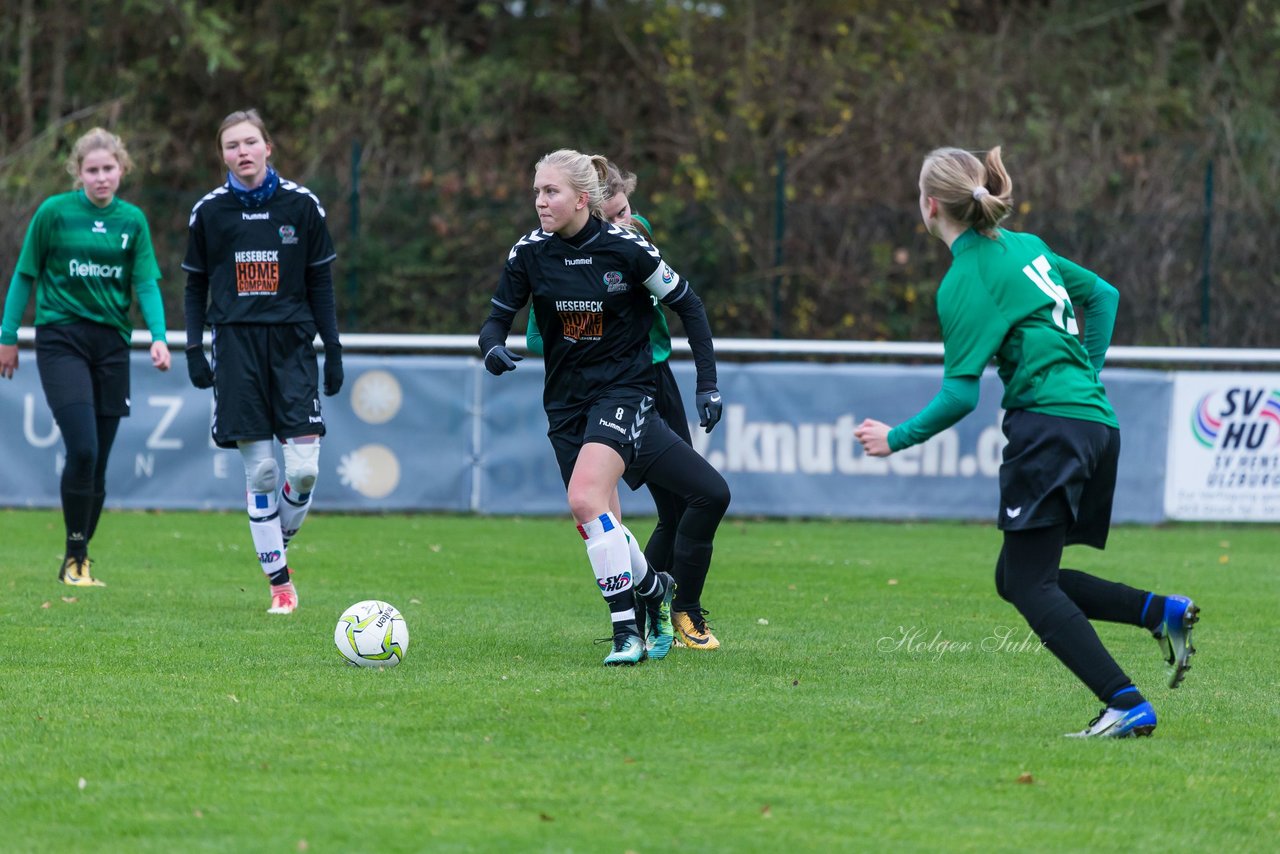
x=1174 y=636
x=628 y=649
x=661 y=633
x=1120 y=723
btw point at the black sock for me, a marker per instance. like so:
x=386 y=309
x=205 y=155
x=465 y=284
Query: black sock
x=622 y=612
x=76 y=507
x=1126 y=699
x=280 y=576
x=1153 y=612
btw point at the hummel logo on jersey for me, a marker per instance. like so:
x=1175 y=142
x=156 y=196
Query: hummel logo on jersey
x=1013 y=512
x=575 y=262
x=99 y=227
x=259 y=215
x=613 y=426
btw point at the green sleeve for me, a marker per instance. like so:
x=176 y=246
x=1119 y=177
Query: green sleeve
x=1100 y=322
x=15 y=303
x=152 y=306
x=958 y=397
x=532 y=337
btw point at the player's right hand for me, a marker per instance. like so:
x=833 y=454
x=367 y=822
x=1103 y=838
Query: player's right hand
x=198 y=368
x=499 y=360
x=8 y=360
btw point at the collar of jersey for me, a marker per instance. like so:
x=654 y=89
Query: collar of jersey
x=84 y=199
x=259 y=195
x=591 y=229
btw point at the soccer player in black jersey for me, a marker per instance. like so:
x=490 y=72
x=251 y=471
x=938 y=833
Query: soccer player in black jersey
x=258 y=273
x=590 y=283
x=688 y=617
x=86 y=254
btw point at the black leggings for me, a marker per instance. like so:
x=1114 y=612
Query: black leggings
x=88 y=438
x=682 y=473
x=1058 y=605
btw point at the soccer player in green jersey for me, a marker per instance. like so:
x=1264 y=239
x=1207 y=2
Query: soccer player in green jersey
x=86 y=254
x=1008 y=296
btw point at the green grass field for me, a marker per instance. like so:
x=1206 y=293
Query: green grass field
x=169 y=712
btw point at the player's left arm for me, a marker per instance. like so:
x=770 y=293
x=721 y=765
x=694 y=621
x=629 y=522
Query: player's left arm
x=678 y=295
x=146 y=285
x=1100 y=302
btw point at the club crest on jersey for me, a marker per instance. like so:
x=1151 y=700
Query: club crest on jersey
x=288 y=235
x=99 y=227
x=614 y=283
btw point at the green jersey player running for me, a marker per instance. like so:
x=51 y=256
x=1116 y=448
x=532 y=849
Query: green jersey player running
x=1008 y=296
x=86 y=254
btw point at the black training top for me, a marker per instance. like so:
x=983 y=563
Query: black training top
x=255 y=260
x=591 y=296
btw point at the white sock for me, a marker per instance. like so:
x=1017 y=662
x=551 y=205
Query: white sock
x=264 y=525
x=639 y=566
x=293 y=511
x=611 y=562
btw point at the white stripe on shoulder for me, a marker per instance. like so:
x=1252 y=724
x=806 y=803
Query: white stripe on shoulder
x=535 y=236
x=286 y=184
x=634 y=237
x=213 y=194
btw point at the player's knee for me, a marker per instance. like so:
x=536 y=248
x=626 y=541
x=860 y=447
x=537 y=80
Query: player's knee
x=301 y=465
x=263 y=476
x=1002 y=589
x=80 y=463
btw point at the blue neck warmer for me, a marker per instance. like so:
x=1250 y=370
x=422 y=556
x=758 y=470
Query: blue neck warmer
x=258 y=196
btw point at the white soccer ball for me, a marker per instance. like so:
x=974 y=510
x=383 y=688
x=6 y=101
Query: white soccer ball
x=372 y=634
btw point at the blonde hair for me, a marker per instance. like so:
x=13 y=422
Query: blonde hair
x=618 y=181
x=586 y=173
x=97 y=139
x=251 y=116
x=973 y=192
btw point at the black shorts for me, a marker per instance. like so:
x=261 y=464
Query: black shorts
x=625 y=420
x=265 y=383
x=84 y=362
x=1058 y=470
x=669 y=403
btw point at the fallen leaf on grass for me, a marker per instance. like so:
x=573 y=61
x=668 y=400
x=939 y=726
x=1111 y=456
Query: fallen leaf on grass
x=232 y=698
x=45 y=605
x=1025 y=777
x=893 y=581
x=762 y=621
x=766 y=812
x=69 y=599
x=544 y=817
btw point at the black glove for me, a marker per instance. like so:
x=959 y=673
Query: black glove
x=499 y=360
x=709 y=409
x=198 y=368
x=332 y=370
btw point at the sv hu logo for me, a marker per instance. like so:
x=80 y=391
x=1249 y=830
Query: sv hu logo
x=615 y=583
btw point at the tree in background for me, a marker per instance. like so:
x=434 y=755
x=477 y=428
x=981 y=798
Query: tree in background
x=1113 y=112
